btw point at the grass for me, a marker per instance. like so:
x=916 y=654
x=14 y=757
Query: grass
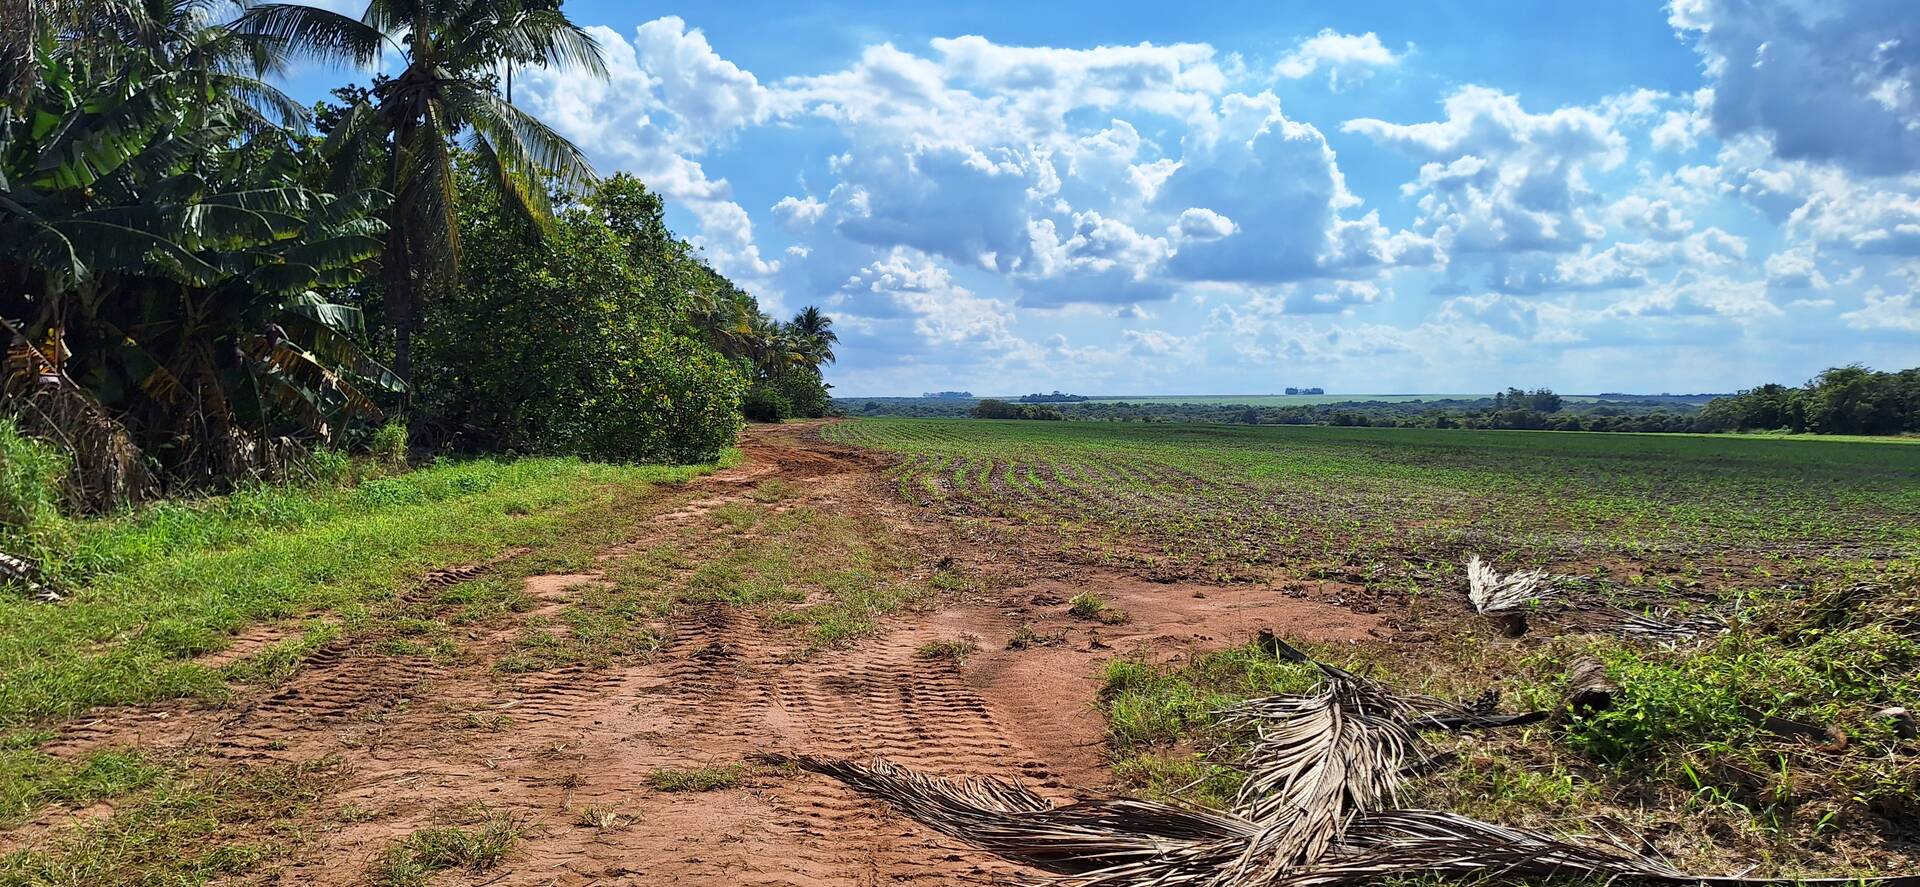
x=830 y=577
x=711 y=777
x=1025 y=637
x=182 y=828
x=954 y=650
x=1808 y=549
x=153 y=590
x=478 y=845
x=1087 y=605
x=30 y=779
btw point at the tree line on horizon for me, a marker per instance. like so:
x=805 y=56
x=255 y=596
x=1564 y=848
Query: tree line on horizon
x=1842 y=400
x=206 y=281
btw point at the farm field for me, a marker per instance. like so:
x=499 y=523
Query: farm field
x=1225 y=503
x=1279 y=400
x=1292 y=400
x=1800 y=554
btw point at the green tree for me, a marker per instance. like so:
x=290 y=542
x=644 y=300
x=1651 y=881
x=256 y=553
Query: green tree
x=452 y=50
x=557 y=344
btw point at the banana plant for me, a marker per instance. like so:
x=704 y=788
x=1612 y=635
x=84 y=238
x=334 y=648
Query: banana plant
x=164 y=252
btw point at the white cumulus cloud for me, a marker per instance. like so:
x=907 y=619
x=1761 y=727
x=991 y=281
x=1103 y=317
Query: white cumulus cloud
x=1350 y=57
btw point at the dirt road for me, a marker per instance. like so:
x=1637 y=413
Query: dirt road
x=568 y=754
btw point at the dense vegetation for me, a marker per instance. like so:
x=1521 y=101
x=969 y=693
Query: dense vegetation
x=1000 y=409
x=1842 y=400
x=208 y=283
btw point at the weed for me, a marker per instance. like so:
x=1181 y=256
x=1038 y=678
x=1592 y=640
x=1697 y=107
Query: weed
x=354 y=813
x=710 y=777
x=1026 y=638
x=476 y=846
x=388 y=447
x=1087 y=605
x=954 y=650
x=182 y=829
x=603 y=819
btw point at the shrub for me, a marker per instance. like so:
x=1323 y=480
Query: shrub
x=566 y=345
x=389 y=444
x=767 y=404
x=669 y=399
x=330 y=466
x=805 y=392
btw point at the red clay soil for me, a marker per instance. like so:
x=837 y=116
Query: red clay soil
x=423 y=742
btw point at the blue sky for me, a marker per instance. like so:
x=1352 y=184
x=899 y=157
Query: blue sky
x=1372 y=197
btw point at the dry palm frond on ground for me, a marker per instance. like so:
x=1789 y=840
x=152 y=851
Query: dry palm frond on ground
x=1101 y=840
x=1490 y=592
x=1317 y=809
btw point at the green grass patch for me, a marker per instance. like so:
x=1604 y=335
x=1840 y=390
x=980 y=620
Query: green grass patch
x=477 y=846
x=1026 y=637
x=1087 y=605
x=30 y=779
x=712 y=777
x=954 y=650
x=181 y=830
x=1153 y=707
x=173 y=582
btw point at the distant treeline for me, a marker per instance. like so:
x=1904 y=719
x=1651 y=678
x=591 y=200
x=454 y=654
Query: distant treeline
x=1000 y=409
x=1843 y=400
x=1055 y=397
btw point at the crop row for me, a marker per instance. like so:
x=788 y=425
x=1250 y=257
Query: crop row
x=1228 y=502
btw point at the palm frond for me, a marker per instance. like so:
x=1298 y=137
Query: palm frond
x=1490 y=592
x=528 y=153
x=309 y=31
x=1096 y=840
x=266 y=100
x=1437 y=844
x=1321 y=759
x=544 y=37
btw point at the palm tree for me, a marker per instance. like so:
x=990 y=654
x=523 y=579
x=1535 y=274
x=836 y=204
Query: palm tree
x=816 y=330
x=451 y=49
